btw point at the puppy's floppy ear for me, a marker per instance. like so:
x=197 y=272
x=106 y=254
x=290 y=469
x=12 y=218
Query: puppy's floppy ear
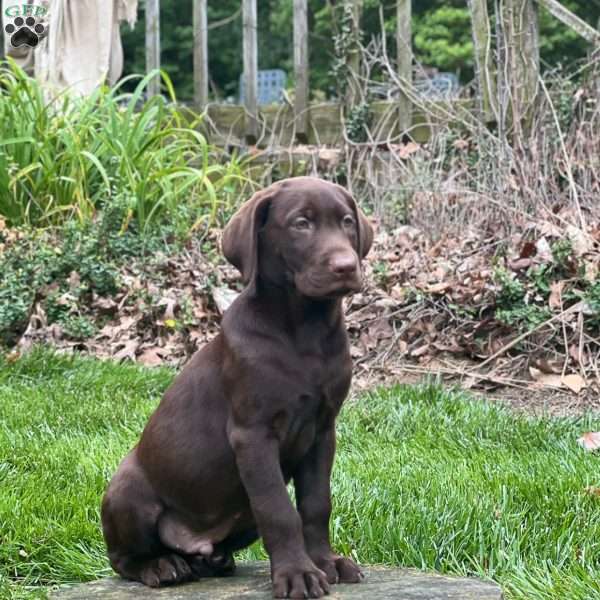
x=240 y=237
x=365 y=231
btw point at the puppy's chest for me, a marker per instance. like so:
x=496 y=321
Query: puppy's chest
x=317 y=395
x=323 y=374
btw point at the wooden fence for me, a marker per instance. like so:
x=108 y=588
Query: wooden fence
x=304 y=116
x=508 y=77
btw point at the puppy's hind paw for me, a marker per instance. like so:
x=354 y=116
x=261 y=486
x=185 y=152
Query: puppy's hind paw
x=165 y=570
x=216 y=565
x=222 y=563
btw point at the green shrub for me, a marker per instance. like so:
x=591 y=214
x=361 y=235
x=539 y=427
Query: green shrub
x=523 y=299
x=62 y=269
x=511 y=291
x=16 y=299
x=78 y=327
x=524 y=316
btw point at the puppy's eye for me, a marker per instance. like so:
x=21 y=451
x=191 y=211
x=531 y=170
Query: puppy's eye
x=348 y=221
x=301 y=223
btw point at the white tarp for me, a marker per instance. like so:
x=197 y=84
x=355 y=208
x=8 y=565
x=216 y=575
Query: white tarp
x=82 y=47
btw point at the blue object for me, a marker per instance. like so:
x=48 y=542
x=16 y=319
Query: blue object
x=442 y=85
x=270 y=86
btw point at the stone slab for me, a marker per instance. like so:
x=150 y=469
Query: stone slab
x=252 y=582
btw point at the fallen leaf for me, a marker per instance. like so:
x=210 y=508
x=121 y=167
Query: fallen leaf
x=417 y=352
x=590 y=440
x=74 y=280
x=555 y=299
x=547 y=228
x=546 y=365
x=381 y=330
x=385 y=302
x=398 y=292
x=223 y=297
x=574 y=382
x=580 y=241
x=519 y=264
x=591 y=271
x=527 y=250
x=391 y=257
x=66 y=300
x=544 y=252
x=545 y=379
x=128 y=350
x=12 y=357
x=113 y=332
x=355 y=351
x=105 y=305
x=592 y=490
x=368 y=341
x=438 y=288
x=329 y=155
x=407 y=149
x=150 y=358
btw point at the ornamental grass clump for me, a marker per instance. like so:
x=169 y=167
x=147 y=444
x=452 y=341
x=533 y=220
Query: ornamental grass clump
x=70 y=157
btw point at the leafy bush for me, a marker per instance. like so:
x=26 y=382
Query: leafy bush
x=512 y=290
x=523 y=316
x=63 y=269
x=74 y=156
x=523 y=300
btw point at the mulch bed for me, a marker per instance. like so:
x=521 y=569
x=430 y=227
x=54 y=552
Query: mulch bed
x=428 y=307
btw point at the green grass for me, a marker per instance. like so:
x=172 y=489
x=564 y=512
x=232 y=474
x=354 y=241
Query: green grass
x=424 y=478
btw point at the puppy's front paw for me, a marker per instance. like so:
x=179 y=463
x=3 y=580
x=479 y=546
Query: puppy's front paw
x=303 y=580
x=339 y=569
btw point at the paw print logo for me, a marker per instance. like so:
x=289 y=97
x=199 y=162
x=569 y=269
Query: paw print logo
x=25 y=32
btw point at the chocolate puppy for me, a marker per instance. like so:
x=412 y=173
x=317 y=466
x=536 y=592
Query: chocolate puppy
x=253 y=409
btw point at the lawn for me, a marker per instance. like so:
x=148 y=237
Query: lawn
x=424 y=478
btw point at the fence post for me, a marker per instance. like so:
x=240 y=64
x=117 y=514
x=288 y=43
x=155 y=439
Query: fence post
x=250 y=69
x=301 y=68
x=153 y=44
x=200 y=54
x=405 y=59
x=482 y=42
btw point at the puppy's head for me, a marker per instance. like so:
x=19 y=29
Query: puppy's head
x=303 y=233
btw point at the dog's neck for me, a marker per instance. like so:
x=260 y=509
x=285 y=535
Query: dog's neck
x=296 y=310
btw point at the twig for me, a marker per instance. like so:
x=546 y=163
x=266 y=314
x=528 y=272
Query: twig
x=521 y=337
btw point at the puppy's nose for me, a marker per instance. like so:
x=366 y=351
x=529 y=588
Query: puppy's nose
x=343 y=264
